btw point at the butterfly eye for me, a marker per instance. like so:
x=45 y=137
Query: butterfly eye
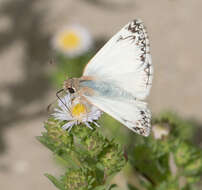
x=71 y=90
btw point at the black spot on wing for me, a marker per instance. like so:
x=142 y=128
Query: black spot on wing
x=148 y=71
x=139 y=130
x=141 y=126
x=136 y=33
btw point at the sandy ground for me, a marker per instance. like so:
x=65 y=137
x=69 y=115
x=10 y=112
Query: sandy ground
x=26 y=26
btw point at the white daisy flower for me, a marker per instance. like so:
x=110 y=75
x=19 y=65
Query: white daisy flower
x=73 y=40
x=160 y=131
x=76 y=111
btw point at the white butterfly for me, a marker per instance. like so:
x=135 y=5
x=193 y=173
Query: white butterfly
x=119 y=77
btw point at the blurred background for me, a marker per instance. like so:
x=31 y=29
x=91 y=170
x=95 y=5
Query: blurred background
x=30 y=71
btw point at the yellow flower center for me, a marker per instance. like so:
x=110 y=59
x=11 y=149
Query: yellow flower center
x=78 y=109
x=69 y=40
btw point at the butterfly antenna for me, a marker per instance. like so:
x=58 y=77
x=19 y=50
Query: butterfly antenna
x=57 y=94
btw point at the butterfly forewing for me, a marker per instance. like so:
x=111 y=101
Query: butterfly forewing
x=126 y=60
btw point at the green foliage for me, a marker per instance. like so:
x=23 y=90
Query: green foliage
x=171 y=162
x=91 y=159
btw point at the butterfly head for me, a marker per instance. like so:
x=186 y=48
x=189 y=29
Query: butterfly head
x=71 y=85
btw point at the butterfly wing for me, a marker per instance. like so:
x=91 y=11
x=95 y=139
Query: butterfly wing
x=133 y=114
x=122 y=76
x=125 y=59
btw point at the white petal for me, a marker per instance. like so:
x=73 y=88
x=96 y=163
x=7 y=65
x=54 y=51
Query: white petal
x=90 y=119
x=65 y=103
x=68 y=124
x=96 y=124
x=70 y=128
x=87 y=124
x=62 y=116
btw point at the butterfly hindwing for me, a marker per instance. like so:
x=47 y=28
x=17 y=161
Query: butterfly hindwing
x=133 y=114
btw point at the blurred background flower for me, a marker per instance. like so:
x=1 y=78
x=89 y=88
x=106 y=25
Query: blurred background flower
x=73 y=40
x=159 y=131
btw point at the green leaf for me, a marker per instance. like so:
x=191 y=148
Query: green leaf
x=55 y=181
x=151 y=168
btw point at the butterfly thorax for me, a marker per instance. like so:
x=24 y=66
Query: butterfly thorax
x=73 y=86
